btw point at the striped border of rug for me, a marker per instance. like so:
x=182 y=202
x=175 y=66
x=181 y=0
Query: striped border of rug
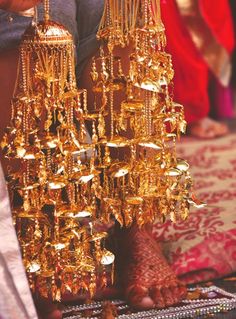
x=212 y=300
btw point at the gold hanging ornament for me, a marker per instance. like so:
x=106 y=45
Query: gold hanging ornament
x=65 y=183
x=61 y=250
x=151 y=183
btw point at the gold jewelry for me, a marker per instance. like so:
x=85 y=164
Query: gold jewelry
x=75 y=180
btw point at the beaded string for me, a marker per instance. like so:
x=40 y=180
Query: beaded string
x=46 y=10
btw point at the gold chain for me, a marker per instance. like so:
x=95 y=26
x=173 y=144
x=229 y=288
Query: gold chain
x=46 y=10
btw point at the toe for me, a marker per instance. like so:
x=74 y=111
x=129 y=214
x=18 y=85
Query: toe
x=56 y=314
x=146 y=303
x=208 y=128
x=157 y=297
x=182 y=292
x=137 y=296
x=222 y=129
x=168 y=296
x=176 y=294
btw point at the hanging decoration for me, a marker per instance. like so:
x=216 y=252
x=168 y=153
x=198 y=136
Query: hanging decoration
x=128 y=170
x=149 y=182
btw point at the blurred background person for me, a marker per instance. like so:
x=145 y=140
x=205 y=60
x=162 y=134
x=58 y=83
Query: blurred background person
x=200 y=38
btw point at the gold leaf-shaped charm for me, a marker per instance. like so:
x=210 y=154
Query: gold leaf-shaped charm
x=101 y=126
x=60 y=117
x=37 y=233
x=47 y=124
x=37 y=110
x=107 y=258
x=58 y=295
x=182 y=165
x=118 y=217
x=173 y=216
x=17 y=121
x=4 y=142
x=26 y=205
x=184 y=213
x=182 y=126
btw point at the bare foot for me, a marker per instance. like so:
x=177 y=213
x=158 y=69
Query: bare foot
x=47 y=309
x=208 y=128
x=147 y=278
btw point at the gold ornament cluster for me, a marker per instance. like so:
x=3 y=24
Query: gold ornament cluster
x=127 y=168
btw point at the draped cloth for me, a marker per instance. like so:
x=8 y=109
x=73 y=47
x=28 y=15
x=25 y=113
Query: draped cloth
x=200 y=38
x=15 y=296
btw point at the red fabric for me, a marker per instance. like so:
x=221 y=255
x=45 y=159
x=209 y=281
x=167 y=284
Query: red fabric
x=203 y=247
x=191 y=72
x=219 y=19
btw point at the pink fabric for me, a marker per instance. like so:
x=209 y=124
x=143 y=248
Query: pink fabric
x=220 y=21
x=15 y=297
x=204 y=246
x=223 y=101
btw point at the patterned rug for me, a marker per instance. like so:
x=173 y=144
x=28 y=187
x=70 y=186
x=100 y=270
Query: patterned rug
x=204 y=246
